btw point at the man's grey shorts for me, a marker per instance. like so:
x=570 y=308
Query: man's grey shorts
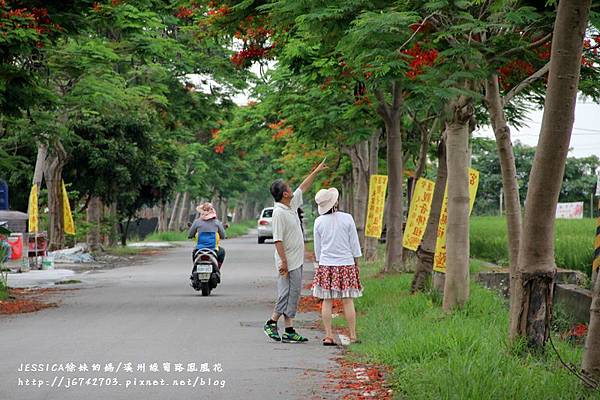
x=288 y=293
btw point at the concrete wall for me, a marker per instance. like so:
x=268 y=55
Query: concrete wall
x=567 y=292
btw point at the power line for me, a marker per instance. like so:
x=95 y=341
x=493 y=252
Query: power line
x=574 y=128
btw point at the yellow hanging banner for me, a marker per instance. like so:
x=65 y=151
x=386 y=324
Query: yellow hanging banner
x=377 y=190
x=439 y=261
x=33 y=209
x=67 y=215
x=420 y=206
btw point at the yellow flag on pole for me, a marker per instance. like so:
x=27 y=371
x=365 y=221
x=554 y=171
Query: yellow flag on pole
x=33 y=209
x=67 y=215
x=420 y=206
x=377 y=189
x=439 y=260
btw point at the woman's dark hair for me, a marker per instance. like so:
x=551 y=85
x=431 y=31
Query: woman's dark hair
x=278 y=188
x=333 y=209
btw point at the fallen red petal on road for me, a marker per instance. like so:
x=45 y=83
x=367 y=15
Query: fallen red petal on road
x=28 y=300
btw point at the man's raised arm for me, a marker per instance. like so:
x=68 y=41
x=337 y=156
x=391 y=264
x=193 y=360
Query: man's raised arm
x=307 y=183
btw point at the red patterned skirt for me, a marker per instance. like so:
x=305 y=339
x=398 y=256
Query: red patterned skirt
x=336 y=282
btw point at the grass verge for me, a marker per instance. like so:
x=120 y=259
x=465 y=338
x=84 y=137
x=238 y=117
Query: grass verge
x=463 y=355
x=166 y=237
x=237 y=230
x=234 y=230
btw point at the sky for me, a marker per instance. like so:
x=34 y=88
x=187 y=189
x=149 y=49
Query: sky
x=585 y=139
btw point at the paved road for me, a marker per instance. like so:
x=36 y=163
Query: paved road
x=148 y=314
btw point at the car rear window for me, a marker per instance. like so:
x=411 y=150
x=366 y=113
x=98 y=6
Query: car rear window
x=268 y=213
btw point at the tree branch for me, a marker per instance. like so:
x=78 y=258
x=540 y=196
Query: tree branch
x=526 y=82
x=415 y=32
x=530 y=46
x=383 y=108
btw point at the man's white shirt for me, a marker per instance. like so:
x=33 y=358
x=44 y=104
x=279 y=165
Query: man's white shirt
x=287 y=229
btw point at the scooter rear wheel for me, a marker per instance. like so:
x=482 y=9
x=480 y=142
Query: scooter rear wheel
x=205 y=286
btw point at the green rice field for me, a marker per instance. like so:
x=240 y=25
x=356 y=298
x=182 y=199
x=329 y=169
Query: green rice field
x=574 y=245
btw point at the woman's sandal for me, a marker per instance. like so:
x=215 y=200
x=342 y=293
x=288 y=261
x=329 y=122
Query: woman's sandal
x=329 y=342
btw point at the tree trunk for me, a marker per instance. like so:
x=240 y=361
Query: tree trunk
x=423 y=150
x=510 y=184
x=222 y=211
x=426 y=251
x=249 y=210
x=174 y=213
x=456 y=287
x=162 y=217
x=257 y=210
x=346 y=204
x=531 y=309
x=391 y=116
x=237 y=215
x=113 y=218
x=359 y=154
x=94 y=212
x=591 y=355
x=181 y=216
x=371 y=243
x=124 y=231
x=40 y=165
x=53 y=174
x=396 y=203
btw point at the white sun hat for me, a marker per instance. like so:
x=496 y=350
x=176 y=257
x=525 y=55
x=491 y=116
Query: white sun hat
x=326 y=199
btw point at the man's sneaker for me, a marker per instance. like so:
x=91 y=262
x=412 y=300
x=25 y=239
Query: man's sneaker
x=271 y=331
x=293 y=338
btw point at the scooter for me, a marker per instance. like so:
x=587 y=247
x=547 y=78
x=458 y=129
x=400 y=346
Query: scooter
x=207 y=273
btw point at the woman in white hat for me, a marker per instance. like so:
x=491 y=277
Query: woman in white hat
x=336 y=250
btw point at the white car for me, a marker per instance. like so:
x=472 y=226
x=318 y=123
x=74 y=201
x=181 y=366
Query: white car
x=264 y=224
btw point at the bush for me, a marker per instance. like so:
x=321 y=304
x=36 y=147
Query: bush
x=3 y=291
x=3 y=275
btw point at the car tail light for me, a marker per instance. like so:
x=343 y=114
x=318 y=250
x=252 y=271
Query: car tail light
x=263 y=222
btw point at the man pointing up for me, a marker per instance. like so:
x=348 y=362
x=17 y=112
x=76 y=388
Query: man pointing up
x=289 y=255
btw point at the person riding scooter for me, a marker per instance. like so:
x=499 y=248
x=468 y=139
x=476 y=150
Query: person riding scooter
x=209 y=231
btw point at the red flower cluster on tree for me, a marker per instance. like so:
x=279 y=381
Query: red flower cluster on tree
x=281 y=130
x=420 y=58
x=184 y=13
x=255 y=35
x=219 y=149
x=217 y=11
x=35 y=19
x=517 y=70
x=252 y=53
x=514 y=72
x=543 y=52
